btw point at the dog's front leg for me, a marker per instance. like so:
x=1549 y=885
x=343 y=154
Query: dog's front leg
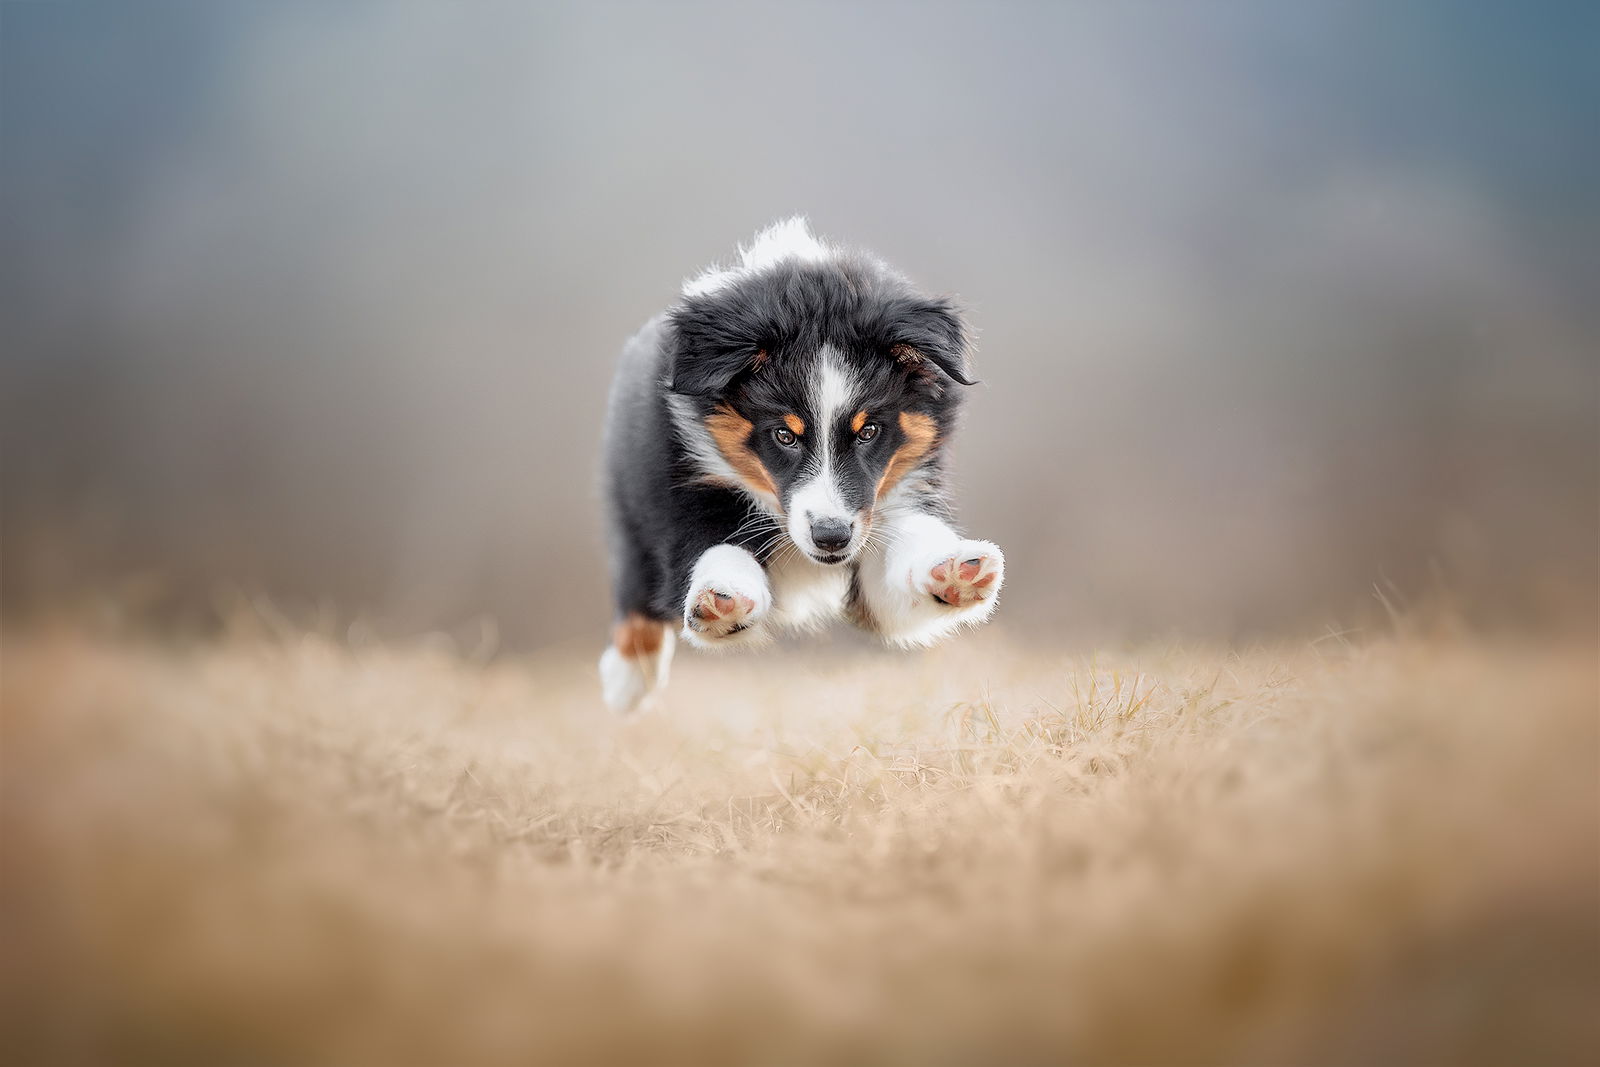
x=928 y=580
x=728 y=599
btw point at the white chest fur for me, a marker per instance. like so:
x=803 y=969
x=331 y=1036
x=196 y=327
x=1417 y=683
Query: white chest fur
x=806 y=595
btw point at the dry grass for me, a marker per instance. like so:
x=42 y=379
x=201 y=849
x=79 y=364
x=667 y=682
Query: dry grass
x=288 y=851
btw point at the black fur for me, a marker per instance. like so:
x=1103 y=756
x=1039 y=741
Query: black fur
x=752 y=348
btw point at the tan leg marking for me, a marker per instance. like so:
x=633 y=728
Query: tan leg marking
x=637 y=636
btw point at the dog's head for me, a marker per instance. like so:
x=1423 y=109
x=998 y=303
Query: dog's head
x=821 y=384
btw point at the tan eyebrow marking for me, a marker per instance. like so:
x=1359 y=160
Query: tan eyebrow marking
x=920 y=434
x=859 y=421
x=796 y=424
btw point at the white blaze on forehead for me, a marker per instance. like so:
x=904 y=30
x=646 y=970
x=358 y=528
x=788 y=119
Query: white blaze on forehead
x=787 y=239
x=818 y=497
x=832 y=393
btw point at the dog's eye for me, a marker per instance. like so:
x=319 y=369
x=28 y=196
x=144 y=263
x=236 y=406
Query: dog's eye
x=867 y=432
x=784 y=437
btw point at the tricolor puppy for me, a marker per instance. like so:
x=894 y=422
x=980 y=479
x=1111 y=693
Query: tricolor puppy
x=775 y=453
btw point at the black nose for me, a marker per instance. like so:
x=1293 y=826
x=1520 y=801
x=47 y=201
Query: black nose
x=830 y=535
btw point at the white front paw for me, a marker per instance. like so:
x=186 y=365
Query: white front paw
x=728 y=599
x=965 y=577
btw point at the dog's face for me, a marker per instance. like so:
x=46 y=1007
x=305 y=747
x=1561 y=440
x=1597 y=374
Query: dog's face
x=834 y=433
x=819 y=401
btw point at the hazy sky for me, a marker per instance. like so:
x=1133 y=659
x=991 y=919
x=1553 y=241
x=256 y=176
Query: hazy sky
x=1274 y=300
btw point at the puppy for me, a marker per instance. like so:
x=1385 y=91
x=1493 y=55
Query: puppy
x=774 y=458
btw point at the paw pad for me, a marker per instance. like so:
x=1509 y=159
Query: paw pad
x=960 y=582
x=719 y=614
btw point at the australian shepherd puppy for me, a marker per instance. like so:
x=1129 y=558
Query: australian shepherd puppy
x=775 y=458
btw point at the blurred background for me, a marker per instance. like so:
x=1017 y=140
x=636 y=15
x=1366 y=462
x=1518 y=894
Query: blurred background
x=1276 y=303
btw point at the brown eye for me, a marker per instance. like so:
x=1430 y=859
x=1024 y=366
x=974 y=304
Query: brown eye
x=783 y=437
x=867 y=432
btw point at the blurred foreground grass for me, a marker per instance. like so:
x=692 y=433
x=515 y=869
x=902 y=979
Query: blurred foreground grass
x=292 y=851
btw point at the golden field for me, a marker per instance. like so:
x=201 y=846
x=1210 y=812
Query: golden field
x=286 y=848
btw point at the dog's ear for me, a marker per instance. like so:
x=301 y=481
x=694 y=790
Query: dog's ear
x=709 y=349
x=702 y=372
x=923 y=333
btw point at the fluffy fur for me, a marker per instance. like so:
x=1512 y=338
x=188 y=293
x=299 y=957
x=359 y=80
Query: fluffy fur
x=775 y=454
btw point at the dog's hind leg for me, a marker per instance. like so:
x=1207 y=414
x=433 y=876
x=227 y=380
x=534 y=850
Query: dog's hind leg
x=636 y=663
x=640 y=654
